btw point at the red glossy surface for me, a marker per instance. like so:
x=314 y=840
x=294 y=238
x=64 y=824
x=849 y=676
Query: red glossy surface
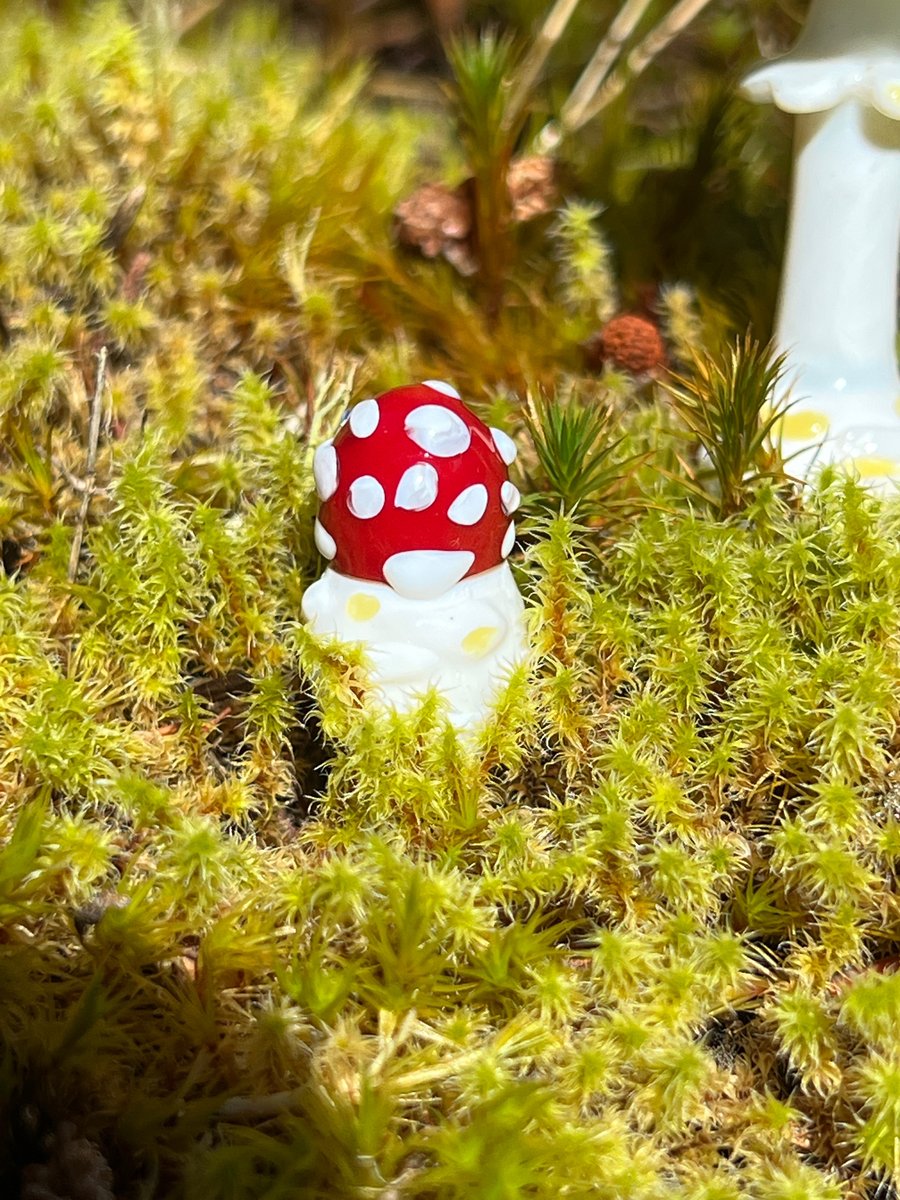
x=364 y=544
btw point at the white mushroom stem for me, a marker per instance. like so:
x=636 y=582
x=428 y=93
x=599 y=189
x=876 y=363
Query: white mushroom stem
x=464 y=643
x=838 y=310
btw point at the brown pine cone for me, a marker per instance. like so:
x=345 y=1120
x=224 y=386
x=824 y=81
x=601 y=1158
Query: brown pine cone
x=438 y=221
x=76 y=1170
x=628 y=343
x=532 y=186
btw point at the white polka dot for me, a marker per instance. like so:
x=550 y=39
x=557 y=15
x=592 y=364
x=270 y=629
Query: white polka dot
x=418 y=488
x=509 y=539
x=438 y=430
x=364 y=418
x=425 y=574
x=325 y=543
x=325 y=470
x=509 y=497
x=439 y=386
x=469 y=506
x=505 y=445
x=366 y=498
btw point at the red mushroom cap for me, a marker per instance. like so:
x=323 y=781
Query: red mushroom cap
x=415 y=492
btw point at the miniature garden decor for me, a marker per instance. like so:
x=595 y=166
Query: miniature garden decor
x=416 y=522
x=838 y=311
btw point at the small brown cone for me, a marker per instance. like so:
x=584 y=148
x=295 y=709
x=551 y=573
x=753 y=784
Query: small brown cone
x=627 y=343
x=532 y=186
x=436 y=220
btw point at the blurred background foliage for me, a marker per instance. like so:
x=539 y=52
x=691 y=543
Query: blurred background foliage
x=692 y=179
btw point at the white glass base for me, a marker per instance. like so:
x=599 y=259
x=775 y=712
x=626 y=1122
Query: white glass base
x=463 y=643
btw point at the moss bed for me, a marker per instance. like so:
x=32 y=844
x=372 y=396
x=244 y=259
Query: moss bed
x=639 y=941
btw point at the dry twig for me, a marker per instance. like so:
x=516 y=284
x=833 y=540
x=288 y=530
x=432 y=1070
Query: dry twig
x=550 y=32
x=595 y=73
x=193 y=17
x=661 y=36
x=123 y=219
x=91 y=473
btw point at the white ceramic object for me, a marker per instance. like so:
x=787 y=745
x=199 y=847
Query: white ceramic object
x=463 y=642
x=415 y=524
x=837 y=318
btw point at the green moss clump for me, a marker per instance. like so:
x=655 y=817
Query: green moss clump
x=639 y=940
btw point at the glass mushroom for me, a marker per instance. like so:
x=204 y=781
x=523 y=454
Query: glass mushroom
x=838 y=308
x=416 y=523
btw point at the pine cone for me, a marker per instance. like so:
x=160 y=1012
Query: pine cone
x=76 y=1170
x=438 y=221
x=532 y=186
x=629 y=343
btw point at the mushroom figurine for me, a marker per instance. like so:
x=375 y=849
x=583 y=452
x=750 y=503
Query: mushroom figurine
x=416 y=524
x=837 y=317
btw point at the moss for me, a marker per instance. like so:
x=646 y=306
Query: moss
x=639 y=939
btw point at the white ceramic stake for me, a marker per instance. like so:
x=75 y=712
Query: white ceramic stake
x=837 y=318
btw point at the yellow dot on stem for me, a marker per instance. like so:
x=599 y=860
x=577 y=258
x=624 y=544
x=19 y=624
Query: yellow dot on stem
x=362 y=607
x=869 y=465
x=481 y=640
x=803 y=425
